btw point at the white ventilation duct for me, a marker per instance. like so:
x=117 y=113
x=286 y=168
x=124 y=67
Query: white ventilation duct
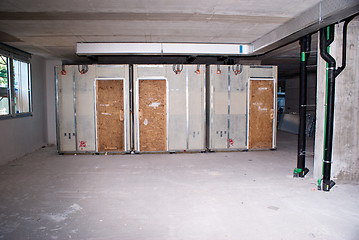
x=162 y=49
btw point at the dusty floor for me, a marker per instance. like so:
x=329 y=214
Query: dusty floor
x=239 y=195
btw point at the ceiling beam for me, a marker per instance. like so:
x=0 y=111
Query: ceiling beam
x=321 y=15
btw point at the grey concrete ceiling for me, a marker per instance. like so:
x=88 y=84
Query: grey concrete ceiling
x=52 y=28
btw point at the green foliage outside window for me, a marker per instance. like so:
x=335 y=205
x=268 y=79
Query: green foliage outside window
x=3 y=71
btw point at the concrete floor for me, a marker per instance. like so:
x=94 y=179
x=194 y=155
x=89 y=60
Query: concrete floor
x=236 y=195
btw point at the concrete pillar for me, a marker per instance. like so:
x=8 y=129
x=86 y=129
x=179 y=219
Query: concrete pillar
x=345 y=158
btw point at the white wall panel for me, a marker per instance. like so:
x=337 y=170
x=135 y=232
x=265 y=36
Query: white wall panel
x=66 y=110
x=186 y=123
x=220 y=108
x=177 y=109
x=238 y=106
x=196 y=124
x=85 y=100
x=76 y=110
x=228 y=123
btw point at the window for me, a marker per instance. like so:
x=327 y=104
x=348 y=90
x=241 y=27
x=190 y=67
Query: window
x=22 y=89
x=4 y=86
x=15 y=86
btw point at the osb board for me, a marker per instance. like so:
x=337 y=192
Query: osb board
x=260 y=114
x=110 y=115
x=66 y=110
x=118 y=72
x=152 y=115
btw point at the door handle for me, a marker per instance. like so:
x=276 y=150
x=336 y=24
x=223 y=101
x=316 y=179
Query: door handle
x=121 y=115
x=272 y=114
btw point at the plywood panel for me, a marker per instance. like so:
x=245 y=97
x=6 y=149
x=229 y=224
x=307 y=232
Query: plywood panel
x=113 y=72
x=185 y=105
x=110 y=115
x=152 y=115
x=261 y=114
x=66 y=110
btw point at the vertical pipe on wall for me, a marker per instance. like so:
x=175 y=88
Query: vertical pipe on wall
x=326 y=38
x=301 y=170
x=328 y=141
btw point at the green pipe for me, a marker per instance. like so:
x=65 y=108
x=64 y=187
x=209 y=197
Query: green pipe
x=303 y=56
x=325 y=119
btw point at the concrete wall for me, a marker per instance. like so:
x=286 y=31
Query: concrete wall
x=23 y=135
x=346 y=124
x=50 y=101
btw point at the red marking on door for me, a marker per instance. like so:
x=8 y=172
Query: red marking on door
x=230 y=142
x=82 y=145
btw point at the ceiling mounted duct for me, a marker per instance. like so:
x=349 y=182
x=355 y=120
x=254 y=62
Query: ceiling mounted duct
x=162 y=49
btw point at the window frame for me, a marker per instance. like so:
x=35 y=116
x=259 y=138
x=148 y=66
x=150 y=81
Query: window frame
x=6 y=64
x=13 y=54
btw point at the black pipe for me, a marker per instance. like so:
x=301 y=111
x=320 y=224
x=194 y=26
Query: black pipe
x=325 y=41
x=305 y=44
x=344 y=50
x=328 y=141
